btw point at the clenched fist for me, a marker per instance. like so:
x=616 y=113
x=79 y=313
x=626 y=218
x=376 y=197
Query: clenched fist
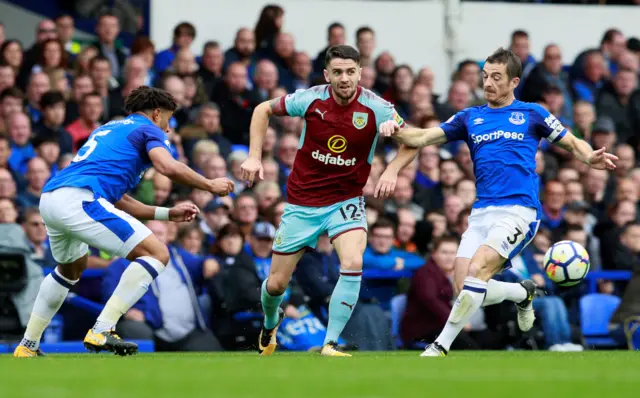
x=221 y=186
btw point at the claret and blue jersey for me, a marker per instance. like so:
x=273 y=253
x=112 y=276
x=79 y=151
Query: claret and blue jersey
x=114 y=158
x=503 y=144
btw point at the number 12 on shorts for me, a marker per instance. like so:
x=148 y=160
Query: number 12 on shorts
x=350 y=212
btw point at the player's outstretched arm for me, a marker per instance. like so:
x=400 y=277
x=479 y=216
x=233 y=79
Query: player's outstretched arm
x=165 y=164
x=387 y=182
x=412 y=136
x=598 y=159
x=182 y=212
x=258 y=129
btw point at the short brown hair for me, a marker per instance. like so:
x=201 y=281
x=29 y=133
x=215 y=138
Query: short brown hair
x=444 y=239
x=508 y=58
x=142 y=44
x=342 y=52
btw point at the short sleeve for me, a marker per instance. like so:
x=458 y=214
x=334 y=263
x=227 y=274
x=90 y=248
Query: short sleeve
x=296 y=104
x=456 y=127
x=383 y=110
x=546 y=125
x=147 y=137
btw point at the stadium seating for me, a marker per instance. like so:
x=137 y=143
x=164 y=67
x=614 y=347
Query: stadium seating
x=595 y=311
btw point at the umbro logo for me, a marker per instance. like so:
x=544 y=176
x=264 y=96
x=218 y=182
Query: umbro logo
x=321 y=113
x=478 y=121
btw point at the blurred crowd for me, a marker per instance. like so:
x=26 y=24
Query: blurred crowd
x=55 y=93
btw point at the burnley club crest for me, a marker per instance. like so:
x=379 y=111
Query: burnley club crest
x=360 y=120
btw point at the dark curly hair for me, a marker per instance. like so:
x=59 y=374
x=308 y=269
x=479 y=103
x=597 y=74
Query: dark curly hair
x=145 y=98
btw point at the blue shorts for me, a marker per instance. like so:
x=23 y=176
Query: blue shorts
x=301 y=226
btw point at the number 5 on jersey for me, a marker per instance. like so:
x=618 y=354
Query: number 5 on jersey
x=90 y=145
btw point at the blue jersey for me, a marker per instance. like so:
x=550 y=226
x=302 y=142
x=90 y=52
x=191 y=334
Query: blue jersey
x=503 y=144
x=113 y=159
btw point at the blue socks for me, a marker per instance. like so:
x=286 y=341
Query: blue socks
x=343 y=301
x=270 y=305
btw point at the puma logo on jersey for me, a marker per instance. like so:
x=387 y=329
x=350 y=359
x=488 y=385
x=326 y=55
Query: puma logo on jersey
x=347 y=305
x=321 y=113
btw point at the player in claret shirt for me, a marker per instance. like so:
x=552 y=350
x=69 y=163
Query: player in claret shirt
x=324 y=190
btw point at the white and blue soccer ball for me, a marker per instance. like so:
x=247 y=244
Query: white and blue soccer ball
x=566 y=263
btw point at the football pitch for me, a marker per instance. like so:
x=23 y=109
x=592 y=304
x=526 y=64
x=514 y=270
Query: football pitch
x=603 y=374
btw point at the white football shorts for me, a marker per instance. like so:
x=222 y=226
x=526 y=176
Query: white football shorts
x=506 y=229
x=75 y=219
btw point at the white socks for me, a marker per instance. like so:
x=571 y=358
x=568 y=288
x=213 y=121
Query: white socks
x=53 y=291
x=498 y=292
x=133 y=284
x=468 y=302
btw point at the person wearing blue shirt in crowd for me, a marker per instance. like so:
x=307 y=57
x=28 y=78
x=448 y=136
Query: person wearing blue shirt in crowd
x=21 y=148
x=380 y=253
x=553 y=208
x=588 y=75
x=170 y=311
x=183 y=35
x=520 y=47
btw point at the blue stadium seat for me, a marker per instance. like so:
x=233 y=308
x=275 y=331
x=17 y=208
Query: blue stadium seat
x=238 y=147
x=398 y=305
x=595 y=312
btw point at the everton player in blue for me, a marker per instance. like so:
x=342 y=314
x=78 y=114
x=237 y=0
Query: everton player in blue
x=87 y=204
x=503 y=137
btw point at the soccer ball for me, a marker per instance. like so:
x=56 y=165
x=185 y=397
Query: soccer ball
x=566 y=263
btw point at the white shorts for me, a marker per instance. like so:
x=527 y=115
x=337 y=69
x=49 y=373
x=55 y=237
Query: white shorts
x=506 y=229
x=75 y=219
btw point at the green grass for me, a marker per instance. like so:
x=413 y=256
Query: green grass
x=602 y=374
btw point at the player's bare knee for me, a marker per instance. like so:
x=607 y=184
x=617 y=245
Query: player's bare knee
x=351 y=263
x=276 y=285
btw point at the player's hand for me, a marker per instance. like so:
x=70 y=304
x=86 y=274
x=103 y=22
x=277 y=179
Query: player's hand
x=222 y=186
x=249 y=168
x=602 y=160
x=183 y=212
x=388 y=128
x=386 y=184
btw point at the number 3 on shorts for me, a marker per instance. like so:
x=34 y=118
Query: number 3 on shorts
x=513 y=239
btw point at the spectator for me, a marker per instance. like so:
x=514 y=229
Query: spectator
x=466 y=191
x=21 y=149
x=458 y=99
x=45 y=30
x=453 y=205
x=553 y=205
x=136 y=68
x=287 y=153
x=7 y=77
x=549 y=73
x=335 y=37
x=49 y=150
x=406 y=230
x=207 y=127
x=269 y=143
x=589 y=74
x=626 y=160
x=211 y=63
x=39 y=84
x=603 y=133
x=271 y=170
x=421 y=106
x=90 y=111
x=216 y=216
x=5 y=155
x=108 y=29
x=37 y=176
x=469 y=72
x=169 y=312
x=11 y=54
x=450 y=174
x=282 y=57
x=265 y=79
x=8 y=188
x=243 y=50
x=8 y=212
x=51 y=127
x=608 y=230
x=366 y=45
x=81 y=86
x=520 y=47
x=380 y=253
x=190 y=238
x=402 y=197
x=65 y=26
x=183 y=35
x=368 y=78
x=621 y=102
x=627 y=258
x=612 y=46
x=236 y=104
x=584 y=115
x=82 y=60
x=10 y=102
x=36 y=233
x=428 y=171
x=384 y=66
x=301 y=70
x=143 y=47
x=268 y=26
x=463 y=158
x=399 y=91
x=245 y=213
x=235 y=160
x=267 y=193
x=111 y=98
